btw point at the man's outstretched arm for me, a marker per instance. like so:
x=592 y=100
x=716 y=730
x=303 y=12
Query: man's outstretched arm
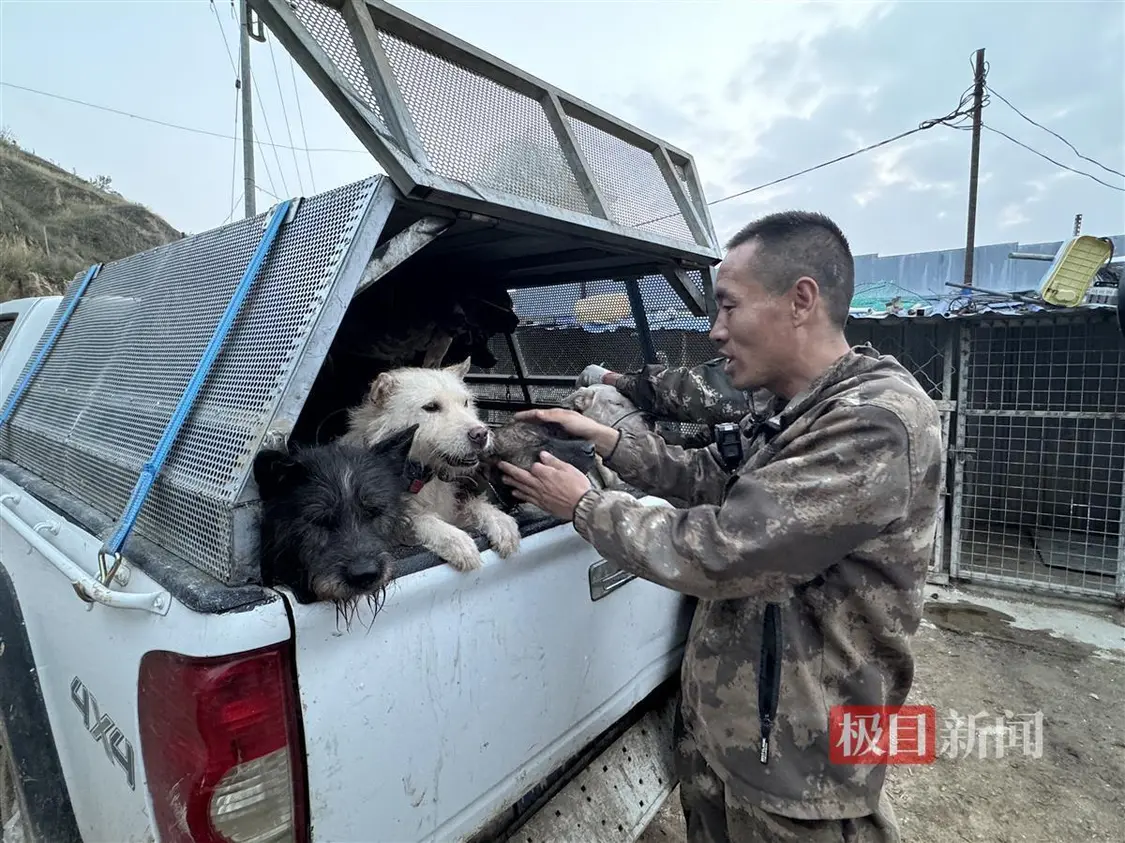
x=700 y=394
x=829 y=491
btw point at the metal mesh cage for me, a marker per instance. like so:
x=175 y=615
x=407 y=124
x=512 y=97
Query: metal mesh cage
x=485 y=135
x=106 y=391
x=564 y=327
x=1042 y=454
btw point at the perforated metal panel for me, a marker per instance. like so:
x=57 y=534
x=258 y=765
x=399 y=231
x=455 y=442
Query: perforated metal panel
x=101 y=401
x=486 y=136
x=337 y=42
x=478 y=131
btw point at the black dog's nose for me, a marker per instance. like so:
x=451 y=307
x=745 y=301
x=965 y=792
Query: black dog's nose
x=588 y=449
x=369 y=573
x=365 y=581
x=479 y=435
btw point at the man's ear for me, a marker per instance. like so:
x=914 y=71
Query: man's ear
x=381 y=389
x=461 y=369
x=805 y=296
x=276 y=472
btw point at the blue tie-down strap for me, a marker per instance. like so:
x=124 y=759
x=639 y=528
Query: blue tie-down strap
x=150 y=470
x=21 y=387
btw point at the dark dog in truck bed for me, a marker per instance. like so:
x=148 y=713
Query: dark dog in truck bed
x=332 y=517
x=519 y=442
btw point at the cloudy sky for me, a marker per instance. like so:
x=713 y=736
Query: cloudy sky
x=754 y=90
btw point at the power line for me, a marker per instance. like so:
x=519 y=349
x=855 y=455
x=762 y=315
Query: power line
x=285 y=115
x=1057 y=135
x=166 y=124
x=301 y=118
x=951 y=119
x=1052 y=160
x=223 y=32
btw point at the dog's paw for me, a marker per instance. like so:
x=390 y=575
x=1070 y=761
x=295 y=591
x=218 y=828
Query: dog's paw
x=503 y=533
x=461 y=552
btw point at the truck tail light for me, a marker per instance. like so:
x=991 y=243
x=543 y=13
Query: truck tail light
x=221 y=747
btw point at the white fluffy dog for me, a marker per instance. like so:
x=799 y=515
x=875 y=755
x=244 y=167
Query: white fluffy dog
x=450 y=442
x=604 y=404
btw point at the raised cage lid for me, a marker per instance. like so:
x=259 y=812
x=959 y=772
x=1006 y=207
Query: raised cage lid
x=460 y=128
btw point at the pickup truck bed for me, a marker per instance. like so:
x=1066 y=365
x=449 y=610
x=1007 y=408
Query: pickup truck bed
x=445 y=717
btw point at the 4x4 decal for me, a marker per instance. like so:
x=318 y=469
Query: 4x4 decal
x=102 y=728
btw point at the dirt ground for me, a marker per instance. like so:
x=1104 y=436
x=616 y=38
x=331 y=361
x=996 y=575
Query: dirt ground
x=972 y=660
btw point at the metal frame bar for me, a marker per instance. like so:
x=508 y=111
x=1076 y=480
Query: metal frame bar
x=575 y=157
x=644 y=335
x=679 y=282
x=687 y=209
x=947 y=406
x=958 y=449
x=547 y=381
x=688 y=166
x=375 y=63
x=1119 y=585
x=635 y=272
x=519 y=365
x=400 y=248
x=416 y=180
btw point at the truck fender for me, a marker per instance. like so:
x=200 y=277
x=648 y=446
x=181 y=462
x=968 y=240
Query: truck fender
x=23 y=714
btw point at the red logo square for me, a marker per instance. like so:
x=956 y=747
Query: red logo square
x=872 y=734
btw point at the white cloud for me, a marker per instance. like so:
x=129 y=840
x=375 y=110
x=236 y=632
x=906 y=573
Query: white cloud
x=1012 y=215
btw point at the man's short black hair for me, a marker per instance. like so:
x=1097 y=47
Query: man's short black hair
x=796 y=243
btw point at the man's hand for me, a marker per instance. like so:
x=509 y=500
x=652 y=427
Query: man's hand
x=603 y=436
x=552 y=485
x=592 y=374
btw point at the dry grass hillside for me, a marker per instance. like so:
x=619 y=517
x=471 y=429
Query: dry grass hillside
x=54 y=224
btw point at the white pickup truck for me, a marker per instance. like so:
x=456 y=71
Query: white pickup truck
x=152 y=686
x=177 y=708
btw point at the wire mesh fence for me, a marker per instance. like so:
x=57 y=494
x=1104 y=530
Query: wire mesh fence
x=1041 y=458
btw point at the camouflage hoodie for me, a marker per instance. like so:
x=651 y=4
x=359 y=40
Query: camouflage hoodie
x=701 y=394
x=809 y=562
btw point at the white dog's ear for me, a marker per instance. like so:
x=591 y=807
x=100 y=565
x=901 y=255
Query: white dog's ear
x=461 y=369
x=381 y=389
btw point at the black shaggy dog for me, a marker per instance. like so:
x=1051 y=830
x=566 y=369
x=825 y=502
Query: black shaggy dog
x=331 y=517
x=519 y=442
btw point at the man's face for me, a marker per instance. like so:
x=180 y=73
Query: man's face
x=754 y=329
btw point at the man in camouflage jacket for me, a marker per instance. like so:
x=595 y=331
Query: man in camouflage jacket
x=700 y=394
x=809 y=559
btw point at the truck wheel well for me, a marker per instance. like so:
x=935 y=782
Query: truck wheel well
x=50 y=816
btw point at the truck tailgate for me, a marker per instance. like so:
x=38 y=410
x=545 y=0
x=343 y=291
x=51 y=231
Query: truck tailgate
x=468 y=689
x=88 y=658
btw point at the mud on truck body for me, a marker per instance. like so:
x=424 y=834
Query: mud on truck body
x=152 y=687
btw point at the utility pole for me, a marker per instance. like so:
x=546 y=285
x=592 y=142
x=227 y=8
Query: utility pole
x=974 y=167
x=247 y=107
